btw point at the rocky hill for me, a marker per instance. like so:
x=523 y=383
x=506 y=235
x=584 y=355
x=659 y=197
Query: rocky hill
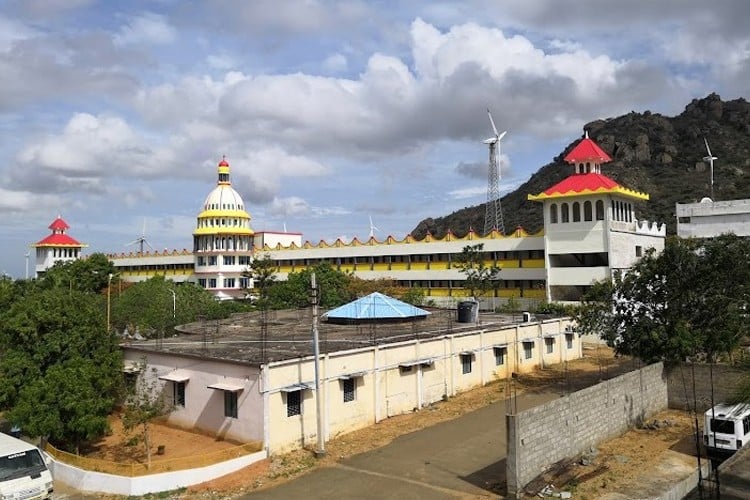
x=655 y=154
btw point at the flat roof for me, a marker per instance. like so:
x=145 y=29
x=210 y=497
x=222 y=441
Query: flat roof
x=287 y=334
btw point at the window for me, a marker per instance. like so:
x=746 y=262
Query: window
x=638 y=251
x=243 y=260
x=550 y=345
x=564 y=214
x=499 y=355
x=553 y=213
x=599 y=210
x=230 y=404
x=244 y=282
x=201 y=261
x=587 y=214
x=293 y=403
x=212 y=283
x=202 y=282
x=350 y=387
x=527 y=348
x=466 y=362
x=178 y=393
x=212 y=260
x=576 y=212
x=569 y=340
x=229 y=282
x=229 y=260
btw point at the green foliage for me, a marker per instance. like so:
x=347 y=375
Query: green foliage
x=414 y=296
x=480 y=278
x=556 y=309
x=60 y=369
x=85 y=275
x=263 y=273
x=151 y=308
x=295 y=292
x=687 y=301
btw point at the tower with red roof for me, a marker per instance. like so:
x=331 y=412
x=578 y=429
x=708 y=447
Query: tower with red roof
x=56 y=247
x=590 y=226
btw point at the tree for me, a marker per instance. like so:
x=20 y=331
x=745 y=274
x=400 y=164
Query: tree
x=480 y=278
x=687 y=301
x=60 y=369
x=142 y=405
x=295 y=291
x=263 y=273
x=85 y=275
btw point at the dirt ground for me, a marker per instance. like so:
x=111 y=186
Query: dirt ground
x=615 y=463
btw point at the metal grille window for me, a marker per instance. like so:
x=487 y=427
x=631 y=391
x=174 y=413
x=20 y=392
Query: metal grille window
x=569 y=340
x=230 y=404
x=550 y=344
x=500 y=355
x=527 y=348
x=466 y=362
x=350 y=388
x=178 y=393
x=293 y=403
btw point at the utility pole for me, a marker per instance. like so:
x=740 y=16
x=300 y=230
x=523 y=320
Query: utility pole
x=321 y=449
x=109 y=304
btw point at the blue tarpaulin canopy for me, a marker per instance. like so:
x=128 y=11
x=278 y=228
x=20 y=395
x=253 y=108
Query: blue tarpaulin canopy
x=375 y=307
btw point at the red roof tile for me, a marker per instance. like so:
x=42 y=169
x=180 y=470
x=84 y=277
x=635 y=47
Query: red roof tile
x=587 y=184
x=58 y=240
x=587 y=150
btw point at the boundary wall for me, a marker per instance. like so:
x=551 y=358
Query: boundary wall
x=542 y=436
x=99 y=482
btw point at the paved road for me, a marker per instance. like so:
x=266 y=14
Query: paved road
x=463 y=458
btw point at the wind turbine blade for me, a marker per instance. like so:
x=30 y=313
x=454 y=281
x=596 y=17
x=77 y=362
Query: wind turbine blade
x=491 y=140
x=148 y=244
x=708 y=150
x=494 y=128
x=502 y=135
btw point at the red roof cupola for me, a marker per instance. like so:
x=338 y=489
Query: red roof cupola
x=58 y=237
x=587 y=151
x=587 y=157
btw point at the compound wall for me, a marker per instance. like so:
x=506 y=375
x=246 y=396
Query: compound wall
x=541 y=436
x=698 y=384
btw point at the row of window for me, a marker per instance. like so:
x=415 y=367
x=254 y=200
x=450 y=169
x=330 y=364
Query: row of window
x=67 y=253
x=210 y=243
x=223 y=206
x=349 y=385
x=621 y=211
x=226 y=283
x=223 y=223
x=229 y=260
x=441 y=258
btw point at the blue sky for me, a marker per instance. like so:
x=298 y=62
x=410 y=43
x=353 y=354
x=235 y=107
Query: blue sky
x=115 y=114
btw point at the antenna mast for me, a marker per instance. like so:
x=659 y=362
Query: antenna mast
x=493 y=215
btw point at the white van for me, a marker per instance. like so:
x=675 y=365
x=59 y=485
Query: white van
x=23 y=471
x=727 y=427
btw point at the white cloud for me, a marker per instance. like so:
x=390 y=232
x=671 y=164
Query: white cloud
x=147 y=28
x=335 y=63
x=468 y=192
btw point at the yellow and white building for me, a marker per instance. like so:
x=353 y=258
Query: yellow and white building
x=590 y=231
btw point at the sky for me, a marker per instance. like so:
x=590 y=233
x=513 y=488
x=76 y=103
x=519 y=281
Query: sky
x=338 y=118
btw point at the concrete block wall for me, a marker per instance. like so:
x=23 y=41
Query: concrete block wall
x=680 y=385
x=541 y=436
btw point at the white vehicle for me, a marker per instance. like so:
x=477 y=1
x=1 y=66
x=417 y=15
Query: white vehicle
x=727 y=427
x=23 y=471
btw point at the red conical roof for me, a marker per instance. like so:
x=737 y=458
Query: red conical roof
x=587 y=150
x=59 y=224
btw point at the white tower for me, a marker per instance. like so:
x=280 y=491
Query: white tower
x=223 y=240
x=56 y=247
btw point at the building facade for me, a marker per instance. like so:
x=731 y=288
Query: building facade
x=708 y=218
x=590 y=232
x=274 y=403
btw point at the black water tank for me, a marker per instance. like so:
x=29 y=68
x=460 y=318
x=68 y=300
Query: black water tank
x=466 y=311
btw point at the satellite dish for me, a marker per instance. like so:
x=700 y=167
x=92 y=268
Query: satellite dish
x=706 y=200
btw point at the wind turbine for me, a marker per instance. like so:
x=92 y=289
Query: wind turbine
x=372 y=229
x=141 y=240
x=710 y=159
x=493 y=217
